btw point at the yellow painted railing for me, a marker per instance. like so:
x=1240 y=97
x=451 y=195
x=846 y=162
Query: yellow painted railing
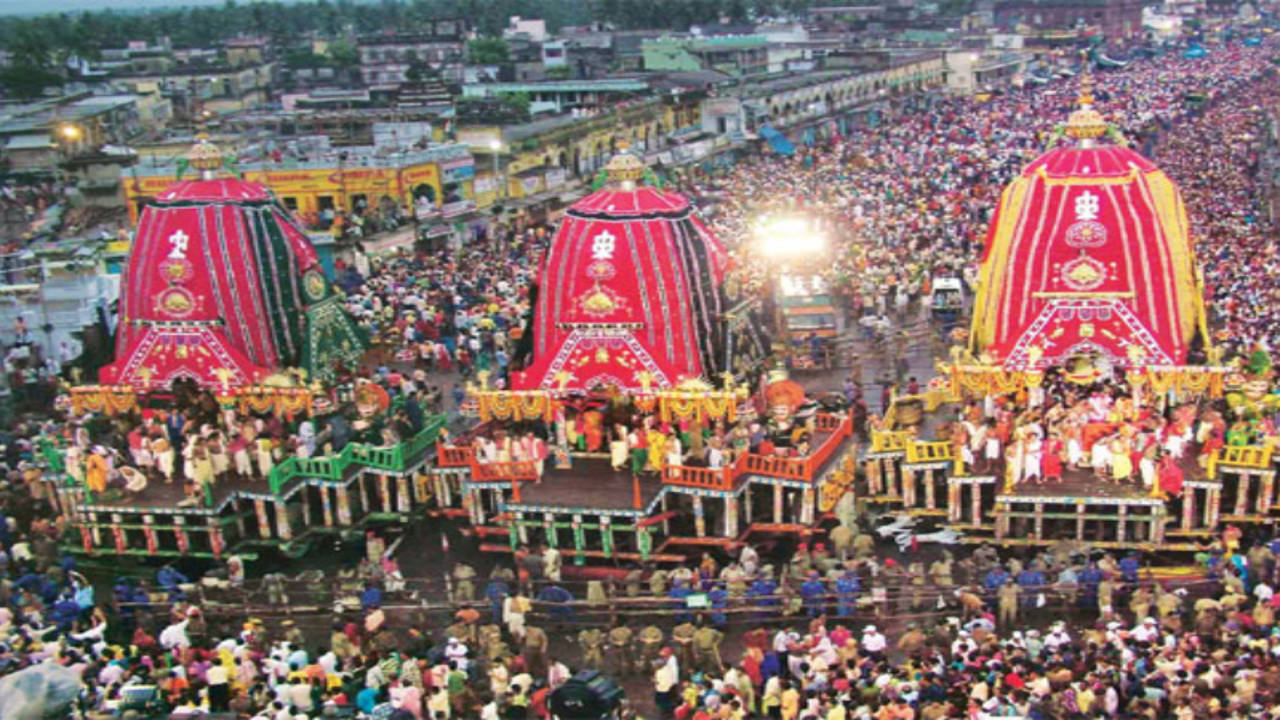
x=884 y=441
x=929 y=452
x=1255 y=457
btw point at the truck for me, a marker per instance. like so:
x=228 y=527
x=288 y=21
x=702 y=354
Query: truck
x=807 y=308
x=947 y=299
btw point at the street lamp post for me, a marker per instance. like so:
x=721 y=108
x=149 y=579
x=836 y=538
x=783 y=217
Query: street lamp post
x=495 y=151
x=68 y=135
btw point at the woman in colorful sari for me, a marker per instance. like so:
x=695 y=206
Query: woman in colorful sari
x=657 y=449
x=96 y=469
x=593 y=429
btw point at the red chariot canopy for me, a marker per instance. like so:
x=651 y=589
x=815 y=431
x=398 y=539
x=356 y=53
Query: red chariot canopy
x=221 y=287
x=1088 y=255
x=629 y=292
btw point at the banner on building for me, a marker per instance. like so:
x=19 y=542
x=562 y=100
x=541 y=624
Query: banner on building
x=457 y=170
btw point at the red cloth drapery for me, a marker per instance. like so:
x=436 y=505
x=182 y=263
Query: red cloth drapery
x=628 y=295
x=1089 y=254
x=212 y=287
x=162 y=354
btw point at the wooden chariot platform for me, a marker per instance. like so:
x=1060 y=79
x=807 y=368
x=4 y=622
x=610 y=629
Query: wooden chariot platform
x=588 y=510
x=592 y=512
x=302 y=499
x=1236 y=484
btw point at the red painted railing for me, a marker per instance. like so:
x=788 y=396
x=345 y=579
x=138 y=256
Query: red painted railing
x=501 y=471
x=832 y=423
x=700 y=477
x=836 y=428
x=774 y=466
x=455 y=455
x=843 y=428
x=512 y=472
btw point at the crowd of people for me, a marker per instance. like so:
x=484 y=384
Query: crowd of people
x=1223 y=173
x=197 y=444
x=463 y=311
x=908 y=199
x=1106 y=429
x=1148 y=652
x=822 y=636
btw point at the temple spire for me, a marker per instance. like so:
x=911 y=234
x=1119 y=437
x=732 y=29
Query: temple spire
x=625 y=169
x=1086 y=124
x=205 y=157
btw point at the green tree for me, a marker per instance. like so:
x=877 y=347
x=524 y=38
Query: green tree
x=297 y=58
x=344 y=54
x=517 y=103
x=26 y=82
x=30 y=46
x=488 y=51
x=39 y=41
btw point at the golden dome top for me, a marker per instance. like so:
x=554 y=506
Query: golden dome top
x=624 y=167
x=1086 y=123
x=204 y=155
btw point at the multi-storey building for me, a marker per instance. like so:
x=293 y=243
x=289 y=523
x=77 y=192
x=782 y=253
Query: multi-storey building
x=1116 y=19
x=385 y=59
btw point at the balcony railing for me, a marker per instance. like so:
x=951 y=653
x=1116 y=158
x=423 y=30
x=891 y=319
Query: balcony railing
x=453 y=456
x=504 y=471
x=836 y=428
x=393 y=458
x=700 y=477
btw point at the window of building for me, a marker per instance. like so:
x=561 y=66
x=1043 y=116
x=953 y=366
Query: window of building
x=424 y=192
x=454 y=191
x=326 y=206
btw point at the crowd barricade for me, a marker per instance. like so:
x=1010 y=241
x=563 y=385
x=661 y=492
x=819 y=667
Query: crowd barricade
x=897 y=599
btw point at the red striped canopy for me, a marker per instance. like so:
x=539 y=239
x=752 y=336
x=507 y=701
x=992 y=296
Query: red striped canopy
x=1089 y=254
x=215 y=288
x=629 y=295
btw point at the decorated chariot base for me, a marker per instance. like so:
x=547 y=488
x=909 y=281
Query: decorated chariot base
x=624 y=435
x=294 y=503
x=650 y=476
x=1148 y=462
x=1087 y=403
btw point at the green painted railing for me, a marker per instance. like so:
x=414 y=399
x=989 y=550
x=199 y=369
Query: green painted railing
x=330 y=467
x=378 y=457
x=389 y=459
